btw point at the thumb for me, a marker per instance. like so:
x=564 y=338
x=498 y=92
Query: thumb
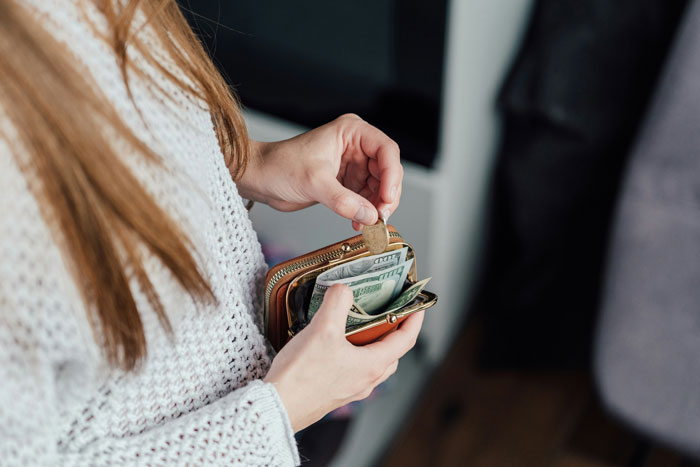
x=346 y=203
x=335 y=307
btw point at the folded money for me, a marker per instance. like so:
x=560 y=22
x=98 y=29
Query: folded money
x=371 y=291
x=358 y=316
x=374 y=281
x=364 y=265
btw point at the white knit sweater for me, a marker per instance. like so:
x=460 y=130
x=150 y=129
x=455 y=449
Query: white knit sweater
x=199 y=398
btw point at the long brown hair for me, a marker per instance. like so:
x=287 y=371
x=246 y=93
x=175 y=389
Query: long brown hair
x=100 y=215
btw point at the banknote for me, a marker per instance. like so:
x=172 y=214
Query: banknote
x=357 y=315
x=357 y=310
x=407 y=296
x=371 y=291
x=364 y=265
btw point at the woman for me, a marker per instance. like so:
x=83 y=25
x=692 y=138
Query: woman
x=130 y=282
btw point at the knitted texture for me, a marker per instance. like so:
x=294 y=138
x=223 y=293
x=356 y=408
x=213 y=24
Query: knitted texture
x=198 y=398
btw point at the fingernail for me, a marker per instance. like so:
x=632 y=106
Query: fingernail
x=385 y=215
x=392 y=193
x=363 y=216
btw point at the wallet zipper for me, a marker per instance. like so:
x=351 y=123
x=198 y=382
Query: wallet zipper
x=311 y=262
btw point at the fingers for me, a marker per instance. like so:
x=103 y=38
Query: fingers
x=385 y=165
x=369 y=159
x=355 y=174
x=388 y=210
x=395 y=344
x=373 y=184
x=334 y=310
x=344 y=202
x=372 y=197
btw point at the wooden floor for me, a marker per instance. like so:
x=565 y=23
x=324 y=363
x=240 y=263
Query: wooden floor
x=468 y=417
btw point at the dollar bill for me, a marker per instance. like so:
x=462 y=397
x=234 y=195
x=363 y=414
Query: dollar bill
x=356 y=309
x=371 y=291
x=364 y=265
x=407 y=296
x=355 y=320
x=357 y=316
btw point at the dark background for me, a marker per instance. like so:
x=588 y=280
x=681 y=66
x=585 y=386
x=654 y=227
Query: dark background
x=571 y=104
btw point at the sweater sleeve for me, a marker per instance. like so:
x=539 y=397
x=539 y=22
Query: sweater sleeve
x=248 y=426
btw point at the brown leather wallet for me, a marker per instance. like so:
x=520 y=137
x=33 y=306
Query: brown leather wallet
x=288 y=287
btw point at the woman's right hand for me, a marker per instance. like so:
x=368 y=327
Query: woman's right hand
x=319 y=370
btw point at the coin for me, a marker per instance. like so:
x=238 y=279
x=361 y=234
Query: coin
x=376 y=237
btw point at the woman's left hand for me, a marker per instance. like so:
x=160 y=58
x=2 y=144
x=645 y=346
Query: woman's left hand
x=347 y=165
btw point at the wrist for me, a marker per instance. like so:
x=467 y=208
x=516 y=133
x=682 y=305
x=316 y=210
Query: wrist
x=290 y=406
x=250 y=185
